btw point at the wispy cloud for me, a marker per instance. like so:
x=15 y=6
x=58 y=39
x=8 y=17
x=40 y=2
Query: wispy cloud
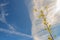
x=3 y=18
x=15 y=33
x=3 y=14
x=11 y=29
x=3 y=4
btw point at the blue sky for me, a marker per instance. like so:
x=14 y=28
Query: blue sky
x=18 y=18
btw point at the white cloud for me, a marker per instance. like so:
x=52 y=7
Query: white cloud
x=43 y=37
x=11 y=27
x=3 y=19
x=15 y=33
x=52 y=17
x=2 y=16
x=58 y=38
x=3 y=4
